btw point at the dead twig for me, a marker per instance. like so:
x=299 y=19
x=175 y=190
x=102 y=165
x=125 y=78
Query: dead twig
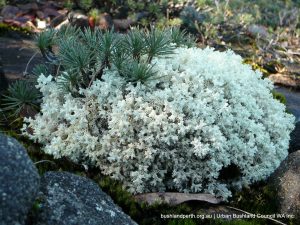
x=243 y=211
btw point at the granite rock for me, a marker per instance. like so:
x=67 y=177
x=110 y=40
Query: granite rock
x=68 y=199
x=286 y=181
x=19 y=182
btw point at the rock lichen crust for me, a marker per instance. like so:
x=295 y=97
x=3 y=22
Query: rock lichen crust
x=68 y=199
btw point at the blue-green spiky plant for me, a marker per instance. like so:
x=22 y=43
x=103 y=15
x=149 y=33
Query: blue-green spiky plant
x=21 y=98
x=83 y=55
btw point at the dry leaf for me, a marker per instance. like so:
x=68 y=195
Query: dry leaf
x=175 y=198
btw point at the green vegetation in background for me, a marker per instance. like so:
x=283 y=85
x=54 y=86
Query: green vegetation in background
x=280 y=97
x=5 y=30
x=2 y=3
x=265 y=12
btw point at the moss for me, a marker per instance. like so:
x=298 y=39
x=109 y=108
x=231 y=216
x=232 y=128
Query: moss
x=182 y=222
x=11 y=133
x=235 y=222
x=2 y=3
x=280 y=97
x=6 y=29
x=34 y=211
x=257 y=199
x=122 y=197
x=256 y=66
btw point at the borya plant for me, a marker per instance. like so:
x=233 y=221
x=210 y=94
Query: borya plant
x=153 y=111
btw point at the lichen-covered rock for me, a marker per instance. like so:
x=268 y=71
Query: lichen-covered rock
x=68 y=199
x=19 y=182
x=286 y=180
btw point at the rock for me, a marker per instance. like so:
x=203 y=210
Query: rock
x=68 y=199
x=286 y=181
x=255 y=30
x=24 y=19
x=18 y=22
x=295 y=139
x=19 y=182
x=78 y=19
x=40 y=14
x=9 y=11
x=285 y=80
x=121 y=24
x=14 y=2
x=81 y=23
x=29 y=7
x=52 y=4
x=50 y=12
x=104 y=22
x=57 y=20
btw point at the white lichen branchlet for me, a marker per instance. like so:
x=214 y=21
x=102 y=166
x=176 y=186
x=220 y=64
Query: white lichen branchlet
x=207 y=111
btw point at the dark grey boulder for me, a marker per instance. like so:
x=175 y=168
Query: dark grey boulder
x=286 y=181
x=19 y=182
x=295 y=139
x=68 y=199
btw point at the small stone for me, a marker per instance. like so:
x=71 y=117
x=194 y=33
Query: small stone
x=255 y=30
x=9 y=11
x=40 y=14
x=78 y=19
x=104 y=22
